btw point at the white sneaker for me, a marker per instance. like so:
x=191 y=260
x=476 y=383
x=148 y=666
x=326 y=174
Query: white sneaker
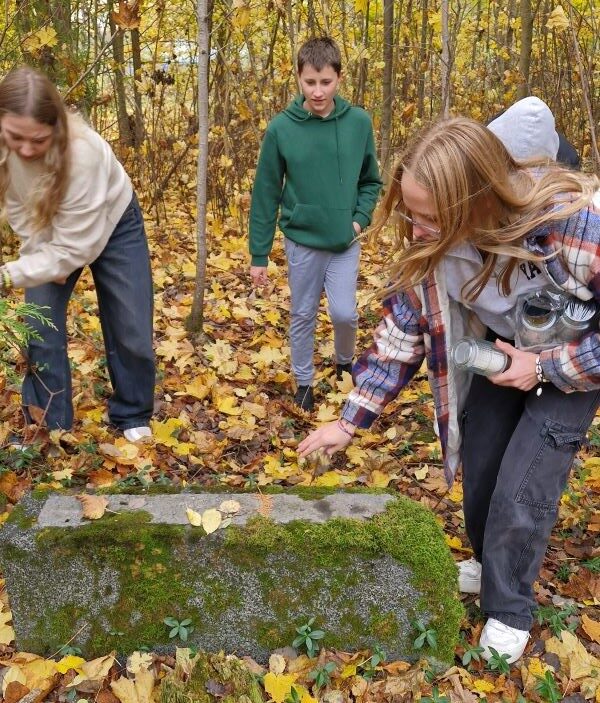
x=137 y=434
x=469 y=576
x=504 y=639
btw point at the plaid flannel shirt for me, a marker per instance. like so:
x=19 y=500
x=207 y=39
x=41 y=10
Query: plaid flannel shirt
x=420 y=323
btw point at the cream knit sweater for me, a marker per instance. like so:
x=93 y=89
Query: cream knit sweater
x=97 y=195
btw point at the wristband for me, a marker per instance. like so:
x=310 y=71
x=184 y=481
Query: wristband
x=344 y=430
x=539 y=373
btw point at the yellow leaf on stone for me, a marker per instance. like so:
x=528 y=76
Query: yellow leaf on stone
x=70 y=662
x=228 y=406
x=230 y=507
x=94 y=507
x=62 y=474
x=211 y=520
x=278 y=686
x=194 y=517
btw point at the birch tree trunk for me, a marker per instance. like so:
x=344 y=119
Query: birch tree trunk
x=195 y=321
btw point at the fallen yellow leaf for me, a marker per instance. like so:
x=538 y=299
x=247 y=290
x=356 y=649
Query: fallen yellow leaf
x=211 y=520
x=591 y=628
x=94 y=507
x=278 y=686
x=194 y=517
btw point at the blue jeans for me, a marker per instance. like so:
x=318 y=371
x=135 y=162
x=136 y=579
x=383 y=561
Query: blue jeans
x=123 y=283
x=518 y=449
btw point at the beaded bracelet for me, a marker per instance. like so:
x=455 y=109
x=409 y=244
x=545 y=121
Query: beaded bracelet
x=539 y=372
x=344 y=430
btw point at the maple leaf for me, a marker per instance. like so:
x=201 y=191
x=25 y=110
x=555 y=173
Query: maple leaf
x=94 y=507
x=139 y=661
x=574 y=659
x=228 y=406
x=137 y=691
x=164 y=432
x=94 y=671
x=278 y=686
x=128 y=16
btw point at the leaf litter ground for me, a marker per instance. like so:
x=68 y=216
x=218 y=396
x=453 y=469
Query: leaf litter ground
x=224 y=417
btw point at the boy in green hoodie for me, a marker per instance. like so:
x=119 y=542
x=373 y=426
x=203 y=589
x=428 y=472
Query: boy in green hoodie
x=318 y=169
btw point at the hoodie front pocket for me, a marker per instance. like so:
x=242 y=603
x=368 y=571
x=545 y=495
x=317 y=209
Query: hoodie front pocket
x=333 y=225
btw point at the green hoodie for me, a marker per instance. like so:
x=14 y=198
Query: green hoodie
x=321 y=174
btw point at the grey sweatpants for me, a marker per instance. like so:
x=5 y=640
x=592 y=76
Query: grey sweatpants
x=310 y=271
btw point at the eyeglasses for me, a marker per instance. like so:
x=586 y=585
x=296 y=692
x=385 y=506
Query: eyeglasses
x=414 y=223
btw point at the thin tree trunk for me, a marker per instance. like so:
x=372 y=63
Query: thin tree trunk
x=523 y=89
x=445 y=68
x=125 y=133
x=422 y=59
x=387 y=97
x=195 y=321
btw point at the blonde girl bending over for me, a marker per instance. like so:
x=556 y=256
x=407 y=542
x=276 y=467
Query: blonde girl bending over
x=480 y=235
x=71 y=204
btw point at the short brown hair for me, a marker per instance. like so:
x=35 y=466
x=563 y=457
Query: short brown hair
x=320 y=52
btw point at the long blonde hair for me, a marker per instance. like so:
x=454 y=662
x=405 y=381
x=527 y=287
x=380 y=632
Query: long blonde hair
x=27 y=93
x=481 y=195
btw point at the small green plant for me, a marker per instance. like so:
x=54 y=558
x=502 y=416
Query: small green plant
x=16 y=332
x=322 y=675
x=548 y=689
x=426 y=636
x=368 y=668
x=293 y=696
x=307 y=638
x=19 y=458
x=435 y=697
x=498 y=662
x=563 y=573
x=472 y=654
x=179 y=629
x=556 y=619
x=68 y=651
x=592 y=564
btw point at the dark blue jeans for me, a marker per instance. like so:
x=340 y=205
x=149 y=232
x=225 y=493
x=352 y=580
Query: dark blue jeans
x=518 y=449
x=123 y=283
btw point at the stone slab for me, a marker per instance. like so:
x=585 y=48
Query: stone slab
x=365 y=565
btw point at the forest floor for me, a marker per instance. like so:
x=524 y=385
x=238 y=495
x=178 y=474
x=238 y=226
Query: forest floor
x=224 y=416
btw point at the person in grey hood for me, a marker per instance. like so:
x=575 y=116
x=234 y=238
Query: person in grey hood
x=528 y=130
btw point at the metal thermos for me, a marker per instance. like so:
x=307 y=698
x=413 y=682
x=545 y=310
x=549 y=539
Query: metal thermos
x=479 y=356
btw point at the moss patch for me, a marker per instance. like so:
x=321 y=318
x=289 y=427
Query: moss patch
x=245 y=588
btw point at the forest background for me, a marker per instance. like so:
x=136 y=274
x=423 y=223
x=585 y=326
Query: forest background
x=223 y=411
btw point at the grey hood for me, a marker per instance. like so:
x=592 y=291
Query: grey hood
x=527 y=129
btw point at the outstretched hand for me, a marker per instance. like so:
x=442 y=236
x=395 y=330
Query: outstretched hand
x=258 y=274
x=329 y=437
x=521 y=372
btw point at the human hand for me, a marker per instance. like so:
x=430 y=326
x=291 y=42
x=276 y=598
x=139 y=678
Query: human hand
x=330 y=437
x=258 y=274
x=521 y=372
x=357 y=227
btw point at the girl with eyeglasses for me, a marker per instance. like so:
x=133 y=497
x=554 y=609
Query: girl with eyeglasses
x=477 y=231
x=71 y=204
